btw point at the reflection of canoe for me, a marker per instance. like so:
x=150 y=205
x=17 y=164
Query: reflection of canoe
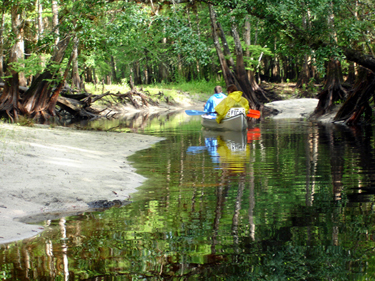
x=231 y=151
x=234 y=123
x=236 y=138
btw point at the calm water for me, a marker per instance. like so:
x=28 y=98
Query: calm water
x=286 y=200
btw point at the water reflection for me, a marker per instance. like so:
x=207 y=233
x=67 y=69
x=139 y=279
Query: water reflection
x=281 y=201
x=133 y=121
x=228 y=149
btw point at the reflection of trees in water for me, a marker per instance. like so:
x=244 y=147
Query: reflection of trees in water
x=351 y=150
x=336 y=147
x=235 y=234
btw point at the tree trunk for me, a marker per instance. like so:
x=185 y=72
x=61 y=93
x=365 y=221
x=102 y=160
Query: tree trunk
x=227 y=74
x=37 y=97
x=275 y=71
x=304 y=76
x=55 y=20
x=2 y=19
x=367 y=61
x=18 y=49
x=251 y=73
x=40 y=25
x=333 y=90
x=227 y=52
x=113 y=66
x=247 y=39
x=350 y=79
x=242 y=79
x=10 y=96
x=56 y=93
x=163 y=72
x=195 y=10
x=147 y=69
x=108 y=80
x=137 y=73
x=88 y=75
x=76 y=80
x=358 y=101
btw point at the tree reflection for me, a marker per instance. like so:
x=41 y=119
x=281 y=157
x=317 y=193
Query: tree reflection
x=293 y=202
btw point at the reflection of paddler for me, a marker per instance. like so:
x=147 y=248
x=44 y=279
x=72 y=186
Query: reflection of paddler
x=235 y=156
x=234 y=99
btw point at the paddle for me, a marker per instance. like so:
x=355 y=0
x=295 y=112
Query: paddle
x=252 y=113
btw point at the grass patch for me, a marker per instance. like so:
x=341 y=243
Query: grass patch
x=196 y=90
x=99 y=89
x=192 y=87
x=24 y=121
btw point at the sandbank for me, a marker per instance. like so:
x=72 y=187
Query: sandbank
x=47 y=170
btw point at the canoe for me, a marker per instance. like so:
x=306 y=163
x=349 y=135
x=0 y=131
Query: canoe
x=234 y=123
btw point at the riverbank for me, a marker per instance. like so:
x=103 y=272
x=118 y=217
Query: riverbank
x=45 y=171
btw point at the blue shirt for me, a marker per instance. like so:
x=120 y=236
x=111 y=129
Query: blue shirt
x=212 y=102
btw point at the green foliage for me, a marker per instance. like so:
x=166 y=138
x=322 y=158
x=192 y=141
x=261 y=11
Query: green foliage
x=256 y=52
x=33 y=65
x=173 y=43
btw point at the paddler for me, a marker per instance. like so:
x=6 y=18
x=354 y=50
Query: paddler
x=234 y=99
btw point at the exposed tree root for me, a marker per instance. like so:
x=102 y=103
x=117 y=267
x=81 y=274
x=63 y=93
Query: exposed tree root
x=358 y=102
x=333 y=90
x=78 y=106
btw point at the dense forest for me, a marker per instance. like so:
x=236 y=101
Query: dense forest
x=49 y=46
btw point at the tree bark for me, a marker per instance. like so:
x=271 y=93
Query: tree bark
x=2 y=45
x=227 y=74
x=10 y=96
x=18 y=49
x=76 y=80
x=37 y=97
x=113 y=66
x=333 y=90
x=247 y=39
x=241 y=74
x=55 y=20
x=56 y=93
x=367 y=61
x=227 y=53
x=163 y=70
x=350 y=79
x=40 y=19
x=358 y=101
x=304 y=76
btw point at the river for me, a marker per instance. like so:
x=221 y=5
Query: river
x=285 y=200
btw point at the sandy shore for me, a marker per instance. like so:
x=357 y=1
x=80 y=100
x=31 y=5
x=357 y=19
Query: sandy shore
x=44 y=171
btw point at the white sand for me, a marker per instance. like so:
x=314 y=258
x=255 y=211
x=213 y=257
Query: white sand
x=293 y=108
x=46 y=170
